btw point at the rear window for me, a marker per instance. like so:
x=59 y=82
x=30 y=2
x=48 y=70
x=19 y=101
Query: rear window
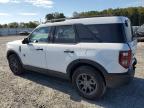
x=108 y=33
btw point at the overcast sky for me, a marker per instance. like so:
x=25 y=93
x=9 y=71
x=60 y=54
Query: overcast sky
x=34 y=10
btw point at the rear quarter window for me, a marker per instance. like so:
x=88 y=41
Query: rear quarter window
x=108 y=33
x=85 y=35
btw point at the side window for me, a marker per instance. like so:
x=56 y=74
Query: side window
x=40 y=35
x=108 y=33
x=64 y=34
x=85 y=35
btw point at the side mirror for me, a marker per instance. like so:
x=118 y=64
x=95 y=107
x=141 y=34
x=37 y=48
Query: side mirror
x=25 y=41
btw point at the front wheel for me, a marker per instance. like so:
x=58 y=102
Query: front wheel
x=15 y=64
x=88 y=82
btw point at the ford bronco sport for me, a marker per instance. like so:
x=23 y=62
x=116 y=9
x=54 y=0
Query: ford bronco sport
x=93 y=53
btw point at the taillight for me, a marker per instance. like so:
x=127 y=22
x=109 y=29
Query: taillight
x=125 y=58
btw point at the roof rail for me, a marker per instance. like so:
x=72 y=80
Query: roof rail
x=61 y=19
x=68 y=18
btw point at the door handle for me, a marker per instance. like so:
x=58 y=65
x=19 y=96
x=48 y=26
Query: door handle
x=68 y=51
x=39 y=49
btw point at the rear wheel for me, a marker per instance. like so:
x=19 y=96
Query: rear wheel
x=88 y=82
x=15 y=64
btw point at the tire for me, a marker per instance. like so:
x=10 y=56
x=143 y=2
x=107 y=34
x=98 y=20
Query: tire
x=15 y=65
x=88 y=82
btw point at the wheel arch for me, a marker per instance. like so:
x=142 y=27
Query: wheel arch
x=81 y=62
x=10 y=52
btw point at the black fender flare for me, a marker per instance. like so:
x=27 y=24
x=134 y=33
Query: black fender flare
x=9 y=52
x=74 y=64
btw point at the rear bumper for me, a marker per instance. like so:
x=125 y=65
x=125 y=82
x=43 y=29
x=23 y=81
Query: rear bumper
x=119 y=79
x=116 y=80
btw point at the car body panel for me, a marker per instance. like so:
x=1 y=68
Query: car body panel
x=58 y=56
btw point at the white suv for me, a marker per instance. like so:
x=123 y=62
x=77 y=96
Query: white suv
x=94 y=53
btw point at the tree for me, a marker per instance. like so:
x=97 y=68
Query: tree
x=58 y=15
x=22 y=25
x=55 y=15
x=135 y=14
x=32 y=24
x=13 y=25
x=5 y=26
x=75 y=14
x=1 y=26
x=49 y=17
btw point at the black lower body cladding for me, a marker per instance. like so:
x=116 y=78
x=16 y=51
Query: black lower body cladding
x=119 y=79
x=114 y=80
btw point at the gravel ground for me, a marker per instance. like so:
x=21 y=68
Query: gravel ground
x=33 y=90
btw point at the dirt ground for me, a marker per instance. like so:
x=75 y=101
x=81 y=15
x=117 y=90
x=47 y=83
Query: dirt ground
x=33 y=90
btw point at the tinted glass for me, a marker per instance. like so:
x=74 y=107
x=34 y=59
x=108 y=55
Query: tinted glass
x=84 y=33
x=128 y=31
x=64 y=34
x=108 y=33
x=40 y=35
